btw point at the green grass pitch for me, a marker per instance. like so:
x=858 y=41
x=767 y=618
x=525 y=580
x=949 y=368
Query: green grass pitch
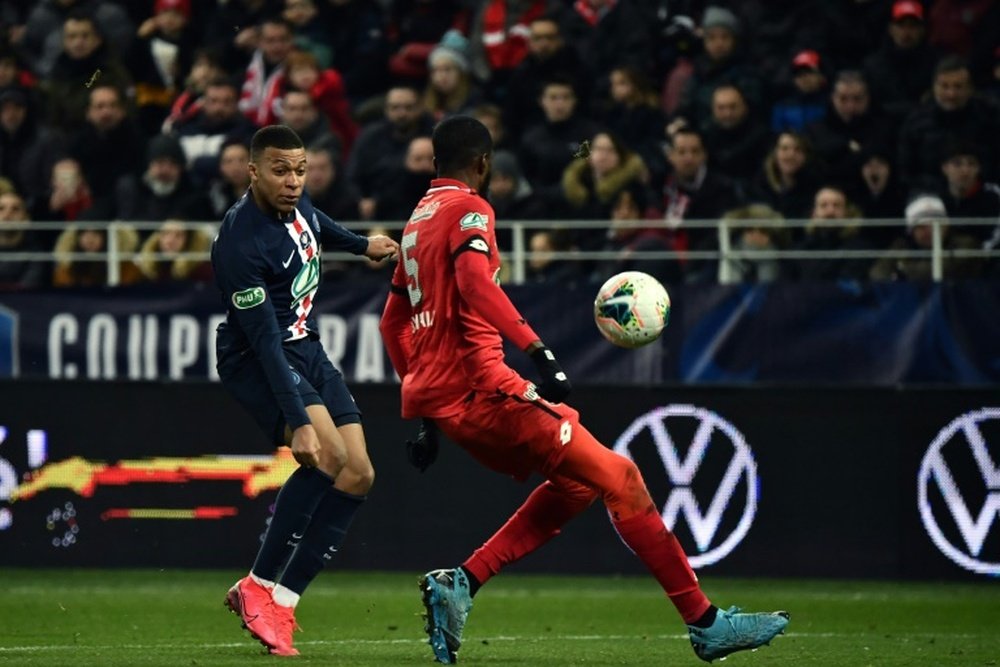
x=109 y=618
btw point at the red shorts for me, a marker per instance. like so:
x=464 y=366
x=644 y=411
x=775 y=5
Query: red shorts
x=512 y=431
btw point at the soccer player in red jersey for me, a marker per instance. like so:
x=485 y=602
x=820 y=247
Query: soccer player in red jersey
x=443 y=326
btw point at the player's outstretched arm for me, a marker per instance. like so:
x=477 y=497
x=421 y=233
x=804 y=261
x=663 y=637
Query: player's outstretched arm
x=475 y=283
x=472 y=273
x=334 y=236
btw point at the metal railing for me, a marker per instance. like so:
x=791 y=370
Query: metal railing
x=518 y=254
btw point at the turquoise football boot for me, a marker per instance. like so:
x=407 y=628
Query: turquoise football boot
x=734 y=631
x=448 y=602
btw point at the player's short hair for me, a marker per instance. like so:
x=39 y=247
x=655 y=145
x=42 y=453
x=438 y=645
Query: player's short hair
x=458 y=141
x=281 y=137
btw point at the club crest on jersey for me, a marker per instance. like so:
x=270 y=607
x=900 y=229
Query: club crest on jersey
x=315 y=223
x=473 y=220
x=306 y=280
x=248 y=298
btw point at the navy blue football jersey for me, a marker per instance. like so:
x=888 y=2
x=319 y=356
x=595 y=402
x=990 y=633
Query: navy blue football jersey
x=269 y=271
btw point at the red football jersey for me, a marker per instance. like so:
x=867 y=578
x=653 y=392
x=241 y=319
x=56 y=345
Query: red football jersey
x=453 y=349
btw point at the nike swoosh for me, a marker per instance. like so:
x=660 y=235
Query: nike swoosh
x=288 y=261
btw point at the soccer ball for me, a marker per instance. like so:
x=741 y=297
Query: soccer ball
x=631 y=309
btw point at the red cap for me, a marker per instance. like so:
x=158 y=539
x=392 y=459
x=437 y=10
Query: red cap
x=182 y=6
x=807 y=59
x=907 y=9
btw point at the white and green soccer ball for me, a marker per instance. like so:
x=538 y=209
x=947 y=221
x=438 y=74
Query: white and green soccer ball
x=631 y=309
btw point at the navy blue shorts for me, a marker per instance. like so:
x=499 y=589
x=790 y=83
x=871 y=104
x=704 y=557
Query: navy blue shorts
x=319 y=384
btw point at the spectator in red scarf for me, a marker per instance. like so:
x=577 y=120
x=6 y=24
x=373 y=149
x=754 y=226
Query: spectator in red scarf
x=264 y=75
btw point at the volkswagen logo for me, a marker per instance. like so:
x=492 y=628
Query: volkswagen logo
x=958 y=471
x=717 y=463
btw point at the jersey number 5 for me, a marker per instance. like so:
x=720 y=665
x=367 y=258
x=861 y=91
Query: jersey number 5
x=409 y=242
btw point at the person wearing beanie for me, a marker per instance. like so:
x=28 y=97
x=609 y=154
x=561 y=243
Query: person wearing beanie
x=511 y=196
x=722 y=62
x=450 y=90
x=720 y=17
x=166 y=190
x=922 y=213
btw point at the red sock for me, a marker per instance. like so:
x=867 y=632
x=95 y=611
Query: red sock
x=657 y=547
x=537 y=521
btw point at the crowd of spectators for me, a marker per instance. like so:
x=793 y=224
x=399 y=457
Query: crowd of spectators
x=666 y=111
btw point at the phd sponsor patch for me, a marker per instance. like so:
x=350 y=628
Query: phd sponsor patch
x=249 y=298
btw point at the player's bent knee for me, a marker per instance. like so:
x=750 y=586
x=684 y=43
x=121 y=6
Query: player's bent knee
x=356 y=479
x=627 y=495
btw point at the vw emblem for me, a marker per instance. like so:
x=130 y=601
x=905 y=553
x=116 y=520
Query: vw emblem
x=956 y=472
x=729 y=448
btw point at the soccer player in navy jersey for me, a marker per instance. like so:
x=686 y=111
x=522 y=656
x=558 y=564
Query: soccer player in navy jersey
x=267 y=264
x=443 y=326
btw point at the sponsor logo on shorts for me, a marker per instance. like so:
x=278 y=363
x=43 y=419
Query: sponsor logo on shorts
x=473 y=220
x=249 y=298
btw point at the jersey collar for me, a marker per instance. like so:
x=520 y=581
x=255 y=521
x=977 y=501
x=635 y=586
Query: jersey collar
x=449 y=184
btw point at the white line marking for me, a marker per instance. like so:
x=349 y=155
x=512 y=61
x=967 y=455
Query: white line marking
x=500 y=638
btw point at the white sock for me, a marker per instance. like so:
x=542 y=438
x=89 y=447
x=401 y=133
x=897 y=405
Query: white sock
x=286 y=597
x=263 y=582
